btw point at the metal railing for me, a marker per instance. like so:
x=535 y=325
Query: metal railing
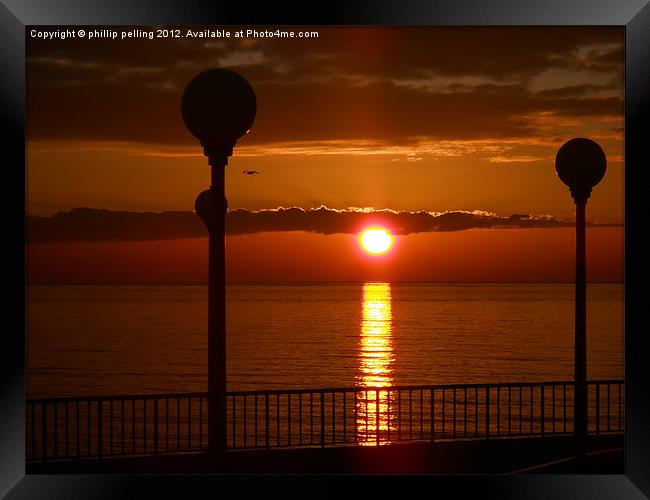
x=97 y=427
x=75 y=428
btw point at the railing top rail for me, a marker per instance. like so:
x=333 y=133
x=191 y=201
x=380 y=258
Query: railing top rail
x=319 y=391
x=83 y=399
x=418 y=387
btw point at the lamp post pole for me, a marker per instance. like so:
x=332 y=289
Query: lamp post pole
x=580 y=163
x=218 y=107
x=211 y=205
x=580 y=365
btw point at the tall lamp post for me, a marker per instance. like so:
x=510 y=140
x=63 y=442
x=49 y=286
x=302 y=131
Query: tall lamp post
x=218 y=107
x=580 y=163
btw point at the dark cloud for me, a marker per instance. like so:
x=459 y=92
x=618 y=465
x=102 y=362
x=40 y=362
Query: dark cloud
x=572 y=91
x=86 y=224
x=309 y=111
x=399 y=52
x=347 y=84
x=608 y=60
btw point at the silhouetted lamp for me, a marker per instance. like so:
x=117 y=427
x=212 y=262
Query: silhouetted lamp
x=218 y=107
x=580 y=163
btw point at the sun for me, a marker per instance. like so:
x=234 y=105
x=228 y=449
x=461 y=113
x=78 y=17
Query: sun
x=376 y=241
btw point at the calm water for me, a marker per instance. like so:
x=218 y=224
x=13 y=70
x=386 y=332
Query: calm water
x=98 y=340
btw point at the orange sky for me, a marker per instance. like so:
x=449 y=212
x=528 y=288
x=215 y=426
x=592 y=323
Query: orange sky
x=410 y=119
x=509 y=255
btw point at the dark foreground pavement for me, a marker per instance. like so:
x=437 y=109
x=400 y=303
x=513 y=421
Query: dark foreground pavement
x=550 y=455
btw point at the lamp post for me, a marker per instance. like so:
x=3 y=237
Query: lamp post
x=580 y=163
x=218 y=107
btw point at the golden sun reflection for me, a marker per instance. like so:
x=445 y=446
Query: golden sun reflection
x=375 y=365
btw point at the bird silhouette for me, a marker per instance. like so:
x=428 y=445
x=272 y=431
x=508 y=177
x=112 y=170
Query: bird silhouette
x=250 y=172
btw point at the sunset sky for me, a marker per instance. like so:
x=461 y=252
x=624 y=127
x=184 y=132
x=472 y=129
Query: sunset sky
x=450 y=132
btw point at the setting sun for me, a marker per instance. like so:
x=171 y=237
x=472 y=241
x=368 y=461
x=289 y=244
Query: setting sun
x=376 y=241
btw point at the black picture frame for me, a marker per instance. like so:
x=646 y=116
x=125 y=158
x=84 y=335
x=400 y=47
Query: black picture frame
x=633 y=15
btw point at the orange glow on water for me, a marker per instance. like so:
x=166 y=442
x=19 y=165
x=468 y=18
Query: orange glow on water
x=375 y=364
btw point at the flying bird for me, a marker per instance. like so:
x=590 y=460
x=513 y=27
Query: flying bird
x=250 y=172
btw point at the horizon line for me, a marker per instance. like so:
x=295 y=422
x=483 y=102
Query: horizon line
x=346 y=282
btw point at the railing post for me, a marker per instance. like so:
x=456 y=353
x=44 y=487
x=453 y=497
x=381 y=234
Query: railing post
x=44 y=430
x=542 y=401
x=399 y=414
x=345 y=418
x=266 y=420
x=100 y=430
x=609 y=409
x=453 y=413
x=356 y=417
x=564 y=405
x=33 y=448
x=487 y=412
x=465 y=412
x=333 y=417
x=144 y=424
x=110 y=435
x=377 y=415
x=433 y=436
x=388 y=415
x=155 y=426
x=553 y=408
x=311 y=417
x=421 y=414
x=56 y=425
x=277 y=418
x=410 y=413
x=189 y=422
x=322 y=419
x=597 y=409
x=498 y=430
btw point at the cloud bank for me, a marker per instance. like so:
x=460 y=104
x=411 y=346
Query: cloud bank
x=94 y=225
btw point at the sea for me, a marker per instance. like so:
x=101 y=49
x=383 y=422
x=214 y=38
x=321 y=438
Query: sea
x=121 y=340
